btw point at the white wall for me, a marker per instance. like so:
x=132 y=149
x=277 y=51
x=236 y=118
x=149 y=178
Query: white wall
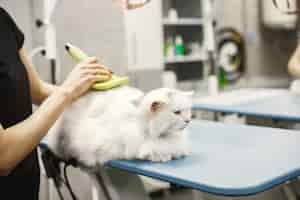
x=21 y=12
x=96 y=26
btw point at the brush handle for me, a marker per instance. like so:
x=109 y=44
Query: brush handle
x=76 y=53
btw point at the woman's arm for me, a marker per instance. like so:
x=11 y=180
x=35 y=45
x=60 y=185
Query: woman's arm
x=39 y=89
x=294 y=63
x=18 y=141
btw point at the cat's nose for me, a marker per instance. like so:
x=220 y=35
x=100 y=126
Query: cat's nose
x=187 y=121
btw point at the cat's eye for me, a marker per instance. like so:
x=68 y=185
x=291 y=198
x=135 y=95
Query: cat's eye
x=177 y=112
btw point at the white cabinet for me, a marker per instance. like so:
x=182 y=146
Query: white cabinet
x=144 y=37
x=147 y=31
x=275 y=18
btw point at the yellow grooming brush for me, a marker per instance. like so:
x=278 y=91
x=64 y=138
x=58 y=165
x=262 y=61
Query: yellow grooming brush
x=78 y=56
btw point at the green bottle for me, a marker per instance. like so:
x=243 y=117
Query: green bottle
x=222 y=78
x=179 y=46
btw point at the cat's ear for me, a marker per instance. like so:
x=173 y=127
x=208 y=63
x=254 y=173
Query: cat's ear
x=137 y=100
x=189 y=93
x=171 y=92
x=156 y=106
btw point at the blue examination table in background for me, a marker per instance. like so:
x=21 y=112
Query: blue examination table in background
x=228 y=160
x=275 y=104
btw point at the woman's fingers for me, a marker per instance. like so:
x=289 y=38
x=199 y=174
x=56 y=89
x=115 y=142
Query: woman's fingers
x=97 y=66
x=94 y=66
x=101 y=78
x=91 y=63
x=95 y=78
x=99 y=75
x=96 y=72
x=84 y=75
x=90 y=60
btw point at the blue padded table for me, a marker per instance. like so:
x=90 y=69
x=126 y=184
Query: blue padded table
x=275 y=104
x=228 y=160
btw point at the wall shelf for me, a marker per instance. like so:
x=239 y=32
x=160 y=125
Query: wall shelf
x=183 y=22
x=185 y=59
x=187 y=24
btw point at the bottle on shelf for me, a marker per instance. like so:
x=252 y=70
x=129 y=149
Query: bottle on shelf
x=179 y=45
x=169 y=48
x=173 y=15
x=222 y=78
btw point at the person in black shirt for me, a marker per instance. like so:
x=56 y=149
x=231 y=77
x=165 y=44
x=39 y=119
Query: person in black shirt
x=20 y=130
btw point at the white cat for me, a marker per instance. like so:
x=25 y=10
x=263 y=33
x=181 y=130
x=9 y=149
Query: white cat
x=123 y=123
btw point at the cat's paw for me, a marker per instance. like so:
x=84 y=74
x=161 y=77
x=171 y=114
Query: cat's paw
x=295 y=87
x=187 y=152
x=181 y=154
x=148 y=154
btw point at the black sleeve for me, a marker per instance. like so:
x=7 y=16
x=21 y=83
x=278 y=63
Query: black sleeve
x=15 y=29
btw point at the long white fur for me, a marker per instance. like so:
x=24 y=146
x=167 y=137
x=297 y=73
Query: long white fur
x=123 y=123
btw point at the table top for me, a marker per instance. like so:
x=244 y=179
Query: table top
x=229 y=160
x=276 y=104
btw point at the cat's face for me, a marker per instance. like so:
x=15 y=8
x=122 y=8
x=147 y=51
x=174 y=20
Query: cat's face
x=169 y=111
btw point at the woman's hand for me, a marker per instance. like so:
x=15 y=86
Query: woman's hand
x=77 y=83
x=83 y=76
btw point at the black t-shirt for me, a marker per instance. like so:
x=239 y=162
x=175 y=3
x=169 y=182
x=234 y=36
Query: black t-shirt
x=15 y=106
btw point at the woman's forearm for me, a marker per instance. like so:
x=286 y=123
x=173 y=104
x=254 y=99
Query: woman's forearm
x=39 y=89
x=45 y=91
x=18 y=141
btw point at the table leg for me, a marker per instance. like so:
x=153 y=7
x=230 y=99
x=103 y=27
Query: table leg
x=102 y=187
x=114 y=184
x=289 y=193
